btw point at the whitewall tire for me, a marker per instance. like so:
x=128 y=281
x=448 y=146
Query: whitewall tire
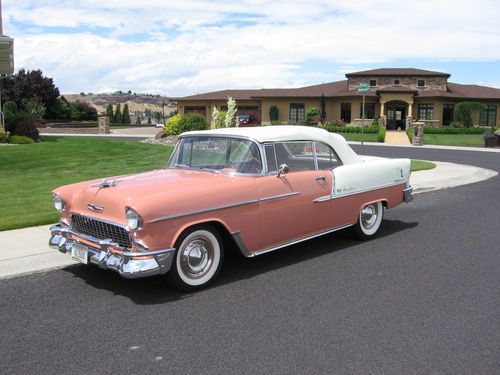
x=369 y=220
x=198 y=258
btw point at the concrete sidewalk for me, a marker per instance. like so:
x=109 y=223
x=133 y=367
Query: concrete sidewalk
x=26 y=250
x=397 y=138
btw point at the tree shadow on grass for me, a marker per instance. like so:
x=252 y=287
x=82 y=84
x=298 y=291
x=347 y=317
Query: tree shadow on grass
x=155 y=290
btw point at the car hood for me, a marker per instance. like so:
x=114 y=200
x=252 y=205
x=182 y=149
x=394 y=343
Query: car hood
x=155 y=193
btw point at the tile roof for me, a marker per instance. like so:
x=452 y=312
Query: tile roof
x=397 y=72
x=222 y=95
x=341 y=89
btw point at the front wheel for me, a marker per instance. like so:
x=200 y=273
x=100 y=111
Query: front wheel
x=370 y=218
x=198 y=258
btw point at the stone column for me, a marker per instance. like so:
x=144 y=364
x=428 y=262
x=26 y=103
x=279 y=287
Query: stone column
x=383 y=121
x=418 y=134
x=409 y=122
x=410 y=108
x=103 y=123
x=382 y=109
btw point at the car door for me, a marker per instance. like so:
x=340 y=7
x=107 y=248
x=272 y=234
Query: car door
x=291 y=204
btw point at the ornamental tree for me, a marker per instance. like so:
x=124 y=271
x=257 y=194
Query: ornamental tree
x=230 y=119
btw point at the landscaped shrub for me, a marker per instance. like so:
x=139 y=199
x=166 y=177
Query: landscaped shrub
x=172 y=125
x=20 y=140
x=409 y=133
x=10 y=112
x=27 y=128
x=4 y=136
x=381 y=135
x=453 y=130
x=192 y=121
x=351 y=129
x=274 y=113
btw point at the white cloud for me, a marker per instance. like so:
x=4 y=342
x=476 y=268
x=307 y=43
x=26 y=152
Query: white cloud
x=194 y=46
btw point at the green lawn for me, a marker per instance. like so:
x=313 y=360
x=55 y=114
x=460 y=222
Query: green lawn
x=421 y=165
x=469 y=140
x=28 y=173
x=356 y=137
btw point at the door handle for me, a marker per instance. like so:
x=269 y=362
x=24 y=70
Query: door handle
x=320 y=178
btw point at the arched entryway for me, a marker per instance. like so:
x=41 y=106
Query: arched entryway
x=396 y=115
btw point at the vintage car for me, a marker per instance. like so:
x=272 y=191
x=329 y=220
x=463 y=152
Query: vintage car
x=254 y=190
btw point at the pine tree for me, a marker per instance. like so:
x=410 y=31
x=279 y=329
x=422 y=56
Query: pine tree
x=109 y=112
x=126 y=115
x=118 y=114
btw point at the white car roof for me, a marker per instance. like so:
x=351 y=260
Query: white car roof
x=283 y=133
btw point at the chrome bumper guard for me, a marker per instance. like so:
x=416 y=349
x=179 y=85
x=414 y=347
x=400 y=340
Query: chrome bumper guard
x=125 y=262
x=407 y=194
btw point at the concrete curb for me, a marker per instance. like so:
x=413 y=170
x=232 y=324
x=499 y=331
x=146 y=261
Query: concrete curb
x=26 y=250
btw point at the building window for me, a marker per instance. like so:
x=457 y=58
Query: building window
x=421 y=82
x=426 y=111
x=248 y=107
x=488 y=116
x=369 y=110
x=297 y=113
x=447 y=114
x=397 y=82
x=201 y=110
x=373 y=82
x=345 y=112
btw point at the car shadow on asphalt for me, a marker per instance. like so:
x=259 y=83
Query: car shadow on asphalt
x=156 y=290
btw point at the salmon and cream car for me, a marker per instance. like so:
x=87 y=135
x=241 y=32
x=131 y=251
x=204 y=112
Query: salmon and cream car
x=254 y=190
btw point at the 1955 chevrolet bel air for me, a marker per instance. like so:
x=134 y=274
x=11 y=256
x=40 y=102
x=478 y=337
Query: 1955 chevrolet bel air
x=255 y=190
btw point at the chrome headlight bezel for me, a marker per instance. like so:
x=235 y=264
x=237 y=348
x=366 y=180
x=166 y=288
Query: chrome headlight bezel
x=59 y=203
x=134 y=220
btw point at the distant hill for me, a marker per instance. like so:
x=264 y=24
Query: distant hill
x=136 y=102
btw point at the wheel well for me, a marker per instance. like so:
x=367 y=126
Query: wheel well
x=227 y=239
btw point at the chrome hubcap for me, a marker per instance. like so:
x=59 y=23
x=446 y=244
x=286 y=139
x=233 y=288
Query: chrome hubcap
x=369 y=216
x=197 y=257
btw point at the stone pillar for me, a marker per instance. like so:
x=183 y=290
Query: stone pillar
x=382 y=109
x=103 y=123
x=409 y=121
x=418 y=134
x=383 y=121
x=410 y=108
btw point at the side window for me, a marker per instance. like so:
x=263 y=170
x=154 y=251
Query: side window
x=297 y=155
x=272 y=166
x=326 y=156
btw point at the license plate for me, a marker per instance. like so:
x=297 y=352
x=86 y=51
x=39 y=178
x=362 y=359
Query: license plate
x=79 y=253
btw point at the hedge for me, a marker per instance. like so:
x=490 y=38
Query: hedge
x=351 y=129
x=381 y=135
x=453 y=130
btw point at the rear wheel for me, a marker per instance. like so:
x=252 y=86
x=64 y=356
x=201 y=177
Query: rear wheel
x=198 y=258
x=370 y=218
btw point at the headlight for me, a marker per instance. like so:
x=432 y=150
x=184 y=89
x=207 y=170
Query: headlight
x=58 y=203
x=134 y=221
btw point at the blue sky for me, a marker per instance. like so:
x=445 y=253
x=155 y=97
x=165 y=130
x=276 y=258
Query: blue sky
x=182 y=47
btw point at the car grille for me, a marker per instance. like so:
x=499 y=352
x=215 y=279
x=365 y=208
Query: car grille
x=100 y=229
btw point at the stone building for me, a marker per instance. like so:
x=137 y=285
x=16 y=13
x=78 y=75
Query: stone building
x=397 y=97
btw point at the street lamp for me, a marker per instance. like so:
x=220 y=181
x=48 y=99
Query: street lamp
x=363 y=88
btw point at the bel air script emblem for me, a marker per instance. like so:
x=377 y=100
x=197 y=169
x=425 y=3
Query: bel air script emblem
x=95 y=208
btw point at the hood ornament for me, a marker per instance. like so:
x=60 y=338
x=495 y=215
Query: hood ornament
x=95 y=208
x=105 y=184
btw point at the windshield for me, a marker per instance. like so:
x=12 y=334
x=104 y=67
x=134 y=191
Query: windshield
x=217 y=154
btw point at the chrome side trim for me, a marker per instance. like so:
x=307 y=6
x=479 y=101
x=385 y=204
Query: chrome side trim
x=241 y=246
x=342 y=195
x=268 y=250
x=324 y=198
x=279 y=196
x=204 y=210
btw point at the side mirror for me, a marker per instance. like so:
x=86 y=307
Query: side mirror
x=283 y=170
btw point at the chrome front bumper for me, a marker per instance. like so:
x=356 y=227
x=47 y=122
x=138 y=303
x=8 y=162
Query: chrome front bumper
x=407 y=194
x=109 y=255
